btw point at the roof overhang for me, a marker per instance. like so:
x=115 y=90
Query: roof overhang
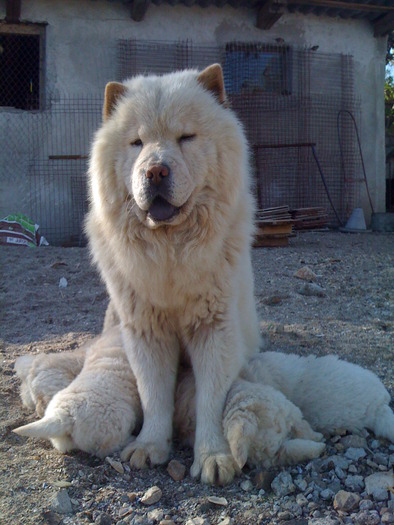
x=380 y=13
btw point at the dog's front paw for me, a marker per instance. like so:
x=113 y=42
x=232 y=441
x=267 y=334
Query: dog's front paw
x=215 y=469
x=143 y=453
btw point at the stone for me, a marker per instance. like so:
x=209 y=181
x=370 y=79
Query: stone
x=116 y=465
x=301 y=500
x=167 y=522
x=354 y=441
x=197 y=521
x=283 y=484
x=380 y=458
x=222 y=502
x=176 y=470
x=366 y=504
x=61 y=502
x=387 y=517
x=152 y=496
x=323 y=521
x=301 y=484
x=226 y=521
x=103 y=519
x=335 y=461
x=354 y=483
x=377 y=485
x=63 y=283
x=246 y=485
x=327 y=494
x=367 y=518
x=311 y=289
x=346 y=501
x=306 y=274
x=155 y=515
x=355 y=454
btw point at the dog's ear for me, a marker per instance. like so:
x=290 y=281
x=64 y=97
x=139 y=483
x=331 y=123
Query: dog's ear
x=113 y=91
x=212 y=80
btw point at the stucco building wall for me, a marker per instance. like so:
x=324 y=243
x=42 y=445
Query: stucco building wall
x=80 y=58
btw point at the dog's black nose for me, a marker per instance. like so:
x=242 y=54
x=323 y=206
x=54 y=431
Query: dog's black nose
x=157 y=173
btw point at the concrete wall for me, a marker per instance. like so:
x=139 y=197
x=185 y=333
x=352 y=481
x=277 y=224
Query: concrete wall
x=80 y=57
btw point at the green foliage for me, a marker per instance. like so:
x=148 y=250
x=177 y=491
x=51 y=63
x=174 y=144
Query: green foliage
x=389 y=104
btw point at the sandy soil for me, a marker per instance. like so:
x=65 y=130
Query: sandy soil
x=353 y=319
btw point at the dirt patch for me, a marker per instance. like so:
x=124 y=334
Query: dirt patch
x=351 y=317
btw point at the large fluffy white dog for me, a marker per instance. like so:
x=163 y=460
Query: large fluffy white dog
x=170 y=227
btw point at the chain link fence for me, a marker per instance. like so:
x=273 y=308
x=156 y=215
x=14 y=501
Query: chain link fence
x=288 y=100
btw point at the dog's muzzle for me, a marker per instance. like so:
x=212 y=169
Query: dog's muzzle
x=158 y=186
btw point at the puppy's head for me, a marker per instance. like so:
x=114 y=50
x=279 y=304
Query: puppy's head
x=161 y=144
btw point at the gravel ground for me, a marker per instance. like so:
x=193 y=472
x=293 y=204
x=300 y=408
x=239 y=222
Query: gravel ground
x=350 y=314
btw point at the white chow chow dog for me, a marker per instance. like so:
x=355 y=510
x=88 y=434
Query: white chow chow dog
x=170 y=228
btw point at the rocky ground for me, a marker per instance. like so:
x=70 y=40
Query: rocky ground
x=346 y=310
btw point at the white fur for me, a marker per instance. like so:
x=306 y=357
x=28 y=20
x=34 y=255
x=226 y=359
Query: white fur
x=98 y=410
x=184 y=285
x=331 y=393
x=262 y=427
x=45 y=374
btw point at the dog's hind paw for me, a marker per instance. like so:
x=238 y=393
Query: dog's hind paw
x=216 y=469
x=142 y=454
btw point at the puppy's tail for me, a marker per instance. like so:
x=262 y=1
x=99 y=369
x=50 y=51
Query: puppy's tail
x=47 y=427
x=383 y=424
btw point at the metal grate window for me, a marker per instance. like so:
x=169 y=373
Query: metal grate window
x=20 y=69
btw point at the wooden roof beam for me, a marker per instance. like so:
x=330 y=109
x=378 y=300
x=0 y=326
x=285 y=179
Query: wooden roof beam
x=339 y=4
x=384 y=25
x=269 y=13
x=139 y=9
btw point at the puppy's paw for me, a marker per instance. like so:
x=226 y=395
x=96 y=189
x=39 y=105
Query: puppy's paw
x=142 y=454
x=215 y=469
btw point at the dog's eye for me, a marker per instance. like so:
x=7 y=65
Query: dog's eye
x=137 y=142
x=186 y=137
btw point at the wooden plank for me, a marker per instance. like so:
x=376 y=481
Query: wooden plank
x=275 y=229
x=271 y=242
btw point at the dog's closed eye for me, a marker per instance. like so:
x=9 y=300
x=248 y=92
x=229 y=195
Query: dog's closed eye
x=186 y=137
x=137 y=143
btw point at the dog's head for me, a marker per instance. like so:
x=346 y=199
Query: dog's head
x=163 y=145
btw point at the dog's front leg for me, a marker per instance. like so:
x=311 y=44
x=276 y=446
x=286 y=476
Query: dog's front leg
x=154 y=363
x=216 y=357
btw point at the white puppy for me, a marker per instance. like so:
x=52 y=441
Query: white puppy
x=331 y=393
x=262 y=427
x=43 y=375
x=98 y=410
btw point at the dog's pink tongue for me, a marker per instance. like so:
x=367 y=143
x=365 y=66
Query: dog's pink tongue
x=162 y=210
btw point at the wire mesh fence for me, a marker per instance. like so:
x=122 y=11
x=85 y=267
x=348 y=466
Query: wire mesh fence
x=288 y=100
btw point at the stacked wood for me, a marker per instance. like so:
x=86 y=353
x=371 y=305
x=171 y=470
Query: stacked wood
x=274 y=227
x=309 y=218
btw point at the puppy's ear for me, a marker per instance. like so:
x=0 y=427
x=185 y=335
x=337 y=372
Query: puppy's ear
x=113 y=91
x=212 y=80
